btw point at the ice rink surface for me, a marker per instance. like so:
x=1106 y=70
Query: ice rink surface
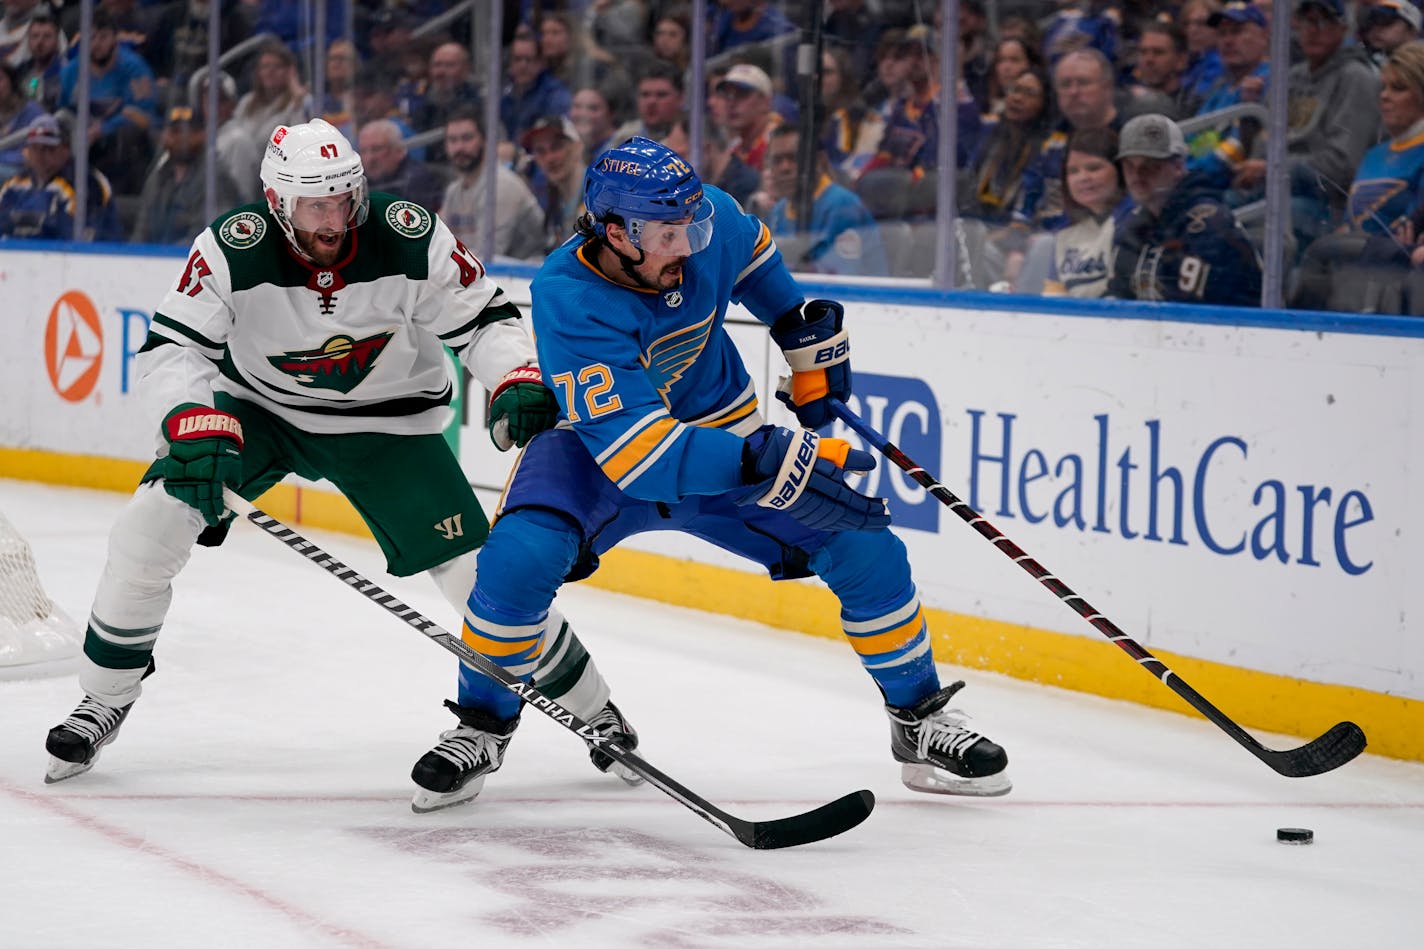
x=258 y=794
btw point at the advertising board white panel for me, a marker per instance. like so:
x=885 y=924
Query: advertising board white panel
x=1236 y=493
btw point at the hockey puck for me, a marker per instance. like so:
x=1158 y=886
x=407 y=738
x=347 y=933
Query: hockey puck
x=1295 y=835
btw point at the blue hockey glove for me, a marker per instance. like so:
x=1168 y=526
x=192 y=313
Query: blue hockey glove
x=520 y=408
x=803 y=474
x=204 y=453
x=818 y=351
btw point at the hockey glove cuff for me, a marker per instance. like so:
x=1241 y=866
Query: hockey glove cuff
x=803 y=475
x=204 y=453
x=520 y=408
x=817 y=348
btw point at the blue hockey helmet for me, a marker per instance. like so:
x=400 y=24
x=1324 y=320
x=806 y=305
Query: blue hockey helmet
x=654 y=193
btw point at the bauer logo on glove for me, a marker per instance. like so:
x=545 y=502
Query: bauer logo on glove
x=817 y=348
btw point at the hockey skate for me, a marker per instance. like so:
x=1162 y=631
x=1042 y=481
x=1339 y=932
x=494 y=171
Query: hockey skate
x=74 y=744
x=939 y=754
x=610 y=723
x=454 y=771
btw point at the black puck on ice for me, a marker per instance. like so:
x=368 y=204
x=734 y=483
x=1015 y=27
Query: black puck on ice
x=1295 y=835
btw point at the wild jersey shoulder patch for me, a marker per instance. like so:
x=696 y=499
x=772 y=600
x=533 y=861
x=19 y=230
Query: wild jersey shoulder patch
x=242 y=230
x=410 y=220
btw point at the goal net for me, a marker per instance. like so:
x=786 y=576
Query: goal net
x=36 y=637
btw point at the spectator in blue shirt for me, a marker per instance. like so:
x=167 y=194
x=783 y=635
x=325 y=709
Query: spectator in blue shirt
x=123 y=109
x=739 y=22
x=842 y=238
x=532 y=92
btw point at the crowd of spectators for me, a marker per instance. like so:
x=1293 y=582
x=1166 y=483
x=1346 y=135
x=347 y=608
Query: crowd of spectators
x=1103 y=147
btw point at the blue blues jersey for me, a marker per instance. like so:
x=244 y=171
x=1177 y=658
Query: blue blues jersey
x=1387 y=184
x=651 y=381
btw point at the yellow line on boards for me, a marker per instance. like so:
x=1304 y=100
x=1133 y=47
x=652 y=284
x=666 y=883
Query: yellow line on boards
x=1086 y=663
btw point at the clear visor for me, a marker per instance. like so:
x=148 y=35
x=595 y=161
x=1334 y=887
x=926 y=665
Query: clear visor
x=674 y=238
x=329 y=215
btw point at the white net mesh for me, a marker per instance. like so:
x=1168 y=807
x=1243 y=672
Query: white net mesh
x=33 y=631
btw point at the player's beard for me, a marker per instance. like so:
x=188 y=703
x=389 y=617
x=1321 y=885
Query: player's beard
x=324 y=253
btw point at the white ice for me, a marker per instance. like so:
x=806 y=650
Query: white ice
x=258 y=794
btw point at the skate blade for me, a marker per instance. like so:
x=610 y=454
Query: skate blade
x=931 y=780
x=60 y=770
x=426 y=802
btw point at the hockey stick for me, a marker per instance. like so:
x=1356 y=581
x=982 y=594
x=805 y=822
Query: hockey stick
x=828 y=820
x=1340 y=744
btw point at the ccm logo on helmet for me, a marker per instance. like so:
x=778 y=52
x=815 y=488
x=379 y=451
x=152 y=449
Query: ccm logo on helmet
x=278 y=135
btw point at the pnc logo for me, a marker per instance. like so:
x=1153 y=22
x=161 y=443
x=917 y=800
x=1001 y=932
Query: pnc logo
x=74 y=346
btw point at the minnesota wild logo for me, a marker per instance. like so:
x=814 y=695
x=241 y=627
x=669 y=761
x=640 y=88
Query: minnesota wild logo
x=407 y=218
x=340 y=363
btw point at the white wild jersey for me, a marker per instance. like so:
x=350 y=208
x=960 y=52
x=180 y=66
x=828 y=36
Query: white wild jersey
x=356 y=347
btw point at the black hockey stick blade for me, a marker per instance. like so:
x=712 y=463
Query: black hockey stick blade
x=828 y=820
x=1343 y=742
x=1337 y=746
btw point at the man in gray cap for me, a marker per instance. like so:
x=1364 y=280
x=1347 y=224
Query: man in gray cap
x=1182 y=244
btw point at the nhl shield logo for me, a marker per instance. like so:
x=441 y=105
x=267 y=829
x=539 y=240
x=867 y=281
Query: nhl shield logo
x=408 y=219
x=242 y=230
x=673 y=299
x=325 y=280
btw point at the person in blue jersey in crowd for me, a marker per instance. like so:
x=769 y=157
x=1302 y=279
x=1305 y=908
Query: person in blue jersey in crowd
x=660 y=429
x=1387 y=186
x=39 y=203
x=842 y=237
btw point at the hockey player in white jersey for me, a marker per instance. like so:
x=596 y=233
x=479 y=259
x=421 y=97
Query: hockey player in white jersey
x=307 y=335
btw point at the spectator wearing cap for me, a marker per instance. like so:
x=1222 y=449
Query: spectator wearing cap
x=123 y=108
x=391 y=168
x=747 y=91
x=1333 y=117
x=1182 y=243
x=1244 y=41
x=660 y=101
x=557 y=179
x=518 y=218
x=741 y=22
x=1387 y=25
x=16 y=114
x=842 y=237
x=38 y=203
x=532 y=91
x=172 y=205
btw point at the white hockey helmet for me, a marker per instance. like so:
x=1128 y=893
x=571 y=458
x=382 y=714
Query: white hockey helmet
x=311 y=160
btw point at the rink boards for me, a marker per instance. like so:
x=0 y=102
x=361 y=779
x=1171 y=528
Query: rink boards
x=1232 y=488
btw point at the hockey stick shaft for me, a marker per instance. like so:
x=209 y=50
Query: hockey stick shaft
x=1340 y=744
x=825 y=821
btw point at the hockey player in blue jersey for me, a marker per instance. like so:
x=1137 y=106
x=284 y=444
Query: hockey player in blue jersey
x=660 y=429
